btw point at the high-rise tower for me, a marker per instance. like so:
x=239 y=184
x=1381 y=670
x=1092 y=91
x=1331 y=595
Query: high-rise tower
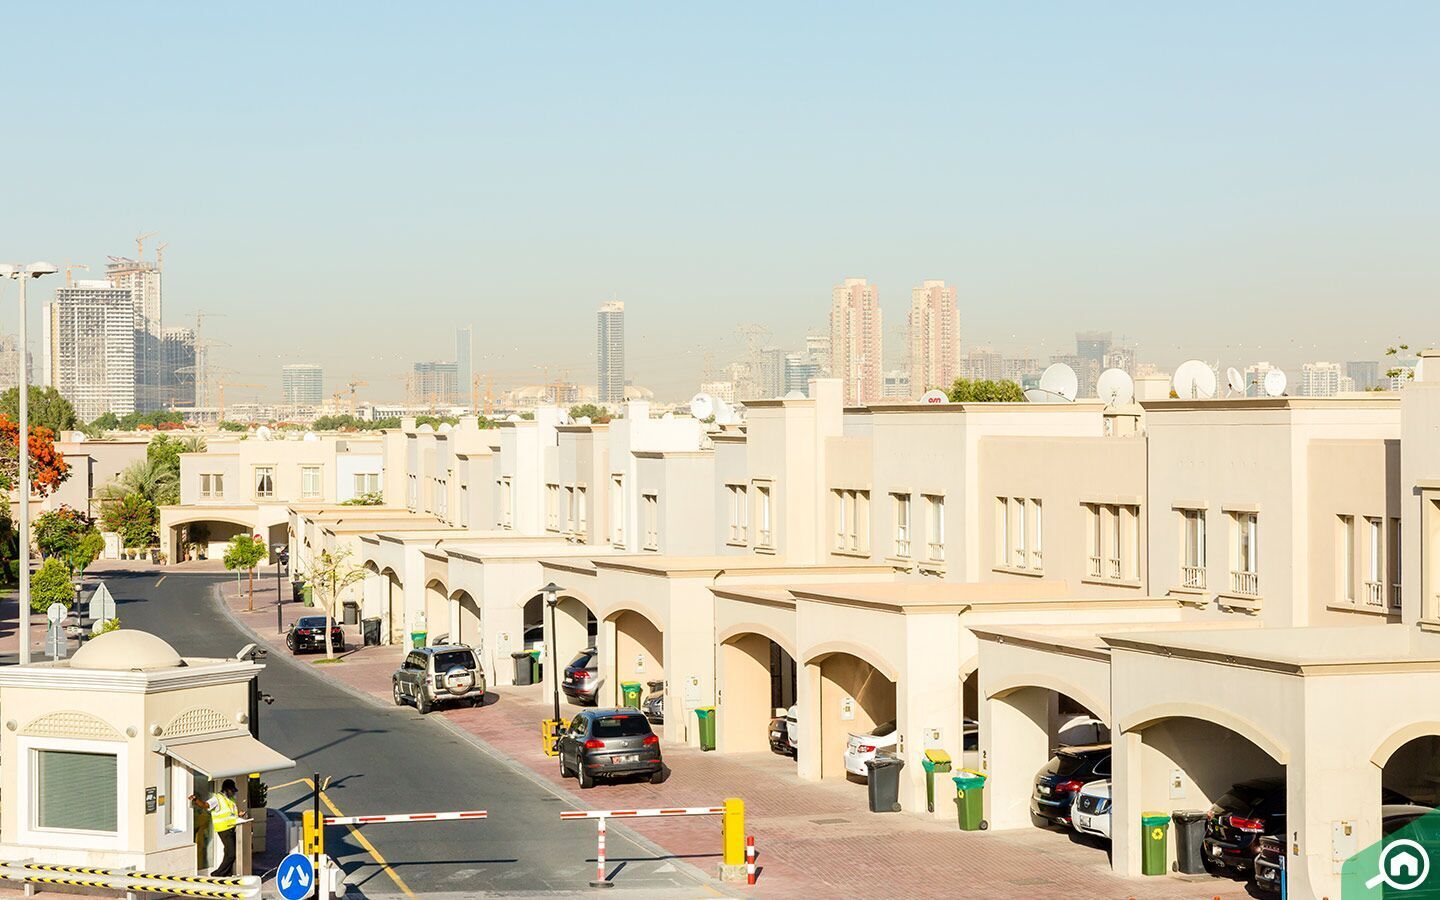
x=934 y=337
x=857 y=343
x=610 y=352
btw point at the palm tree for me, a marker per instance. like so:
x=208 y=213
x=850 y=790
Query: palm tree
x=149 y=478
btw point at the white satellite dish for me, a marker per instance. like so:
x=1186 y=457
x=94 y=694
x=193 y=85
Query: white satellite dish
x=1194 y=380
x=1418 y=373
x=513 y=417
x=311 y=436
x=1115 y=387
x=263 y=433
x=1060 y=379
x=702 y=406
x=445 y=428
x=667 y=417
x=583 y=420
x=1038 y=395
x=935 y=396
x=1275 y=383
x=1235 y=381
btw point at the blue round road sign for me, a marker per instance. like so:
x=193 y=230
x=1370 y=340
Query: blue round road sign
x=295 y=878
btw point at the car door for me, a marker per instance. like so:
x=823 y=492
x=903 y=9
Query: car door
x=573 y=739
x=412 y=673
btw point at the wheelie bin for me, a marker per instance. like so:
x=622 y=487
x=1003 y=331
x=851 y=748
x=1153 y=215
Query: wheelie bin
x=537 y=674
x=630 y=694
x=970 y=800
x=934 y=761
x=706 y=715
x=1189 y=841
x=884 y=776
x=1154 y=834
x=524 y=667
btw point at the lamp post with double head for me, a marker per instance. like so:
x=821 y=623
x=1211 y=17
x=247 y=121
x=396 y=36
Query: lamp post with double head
x=23 y=274
x=552 y=597
x=282 y=557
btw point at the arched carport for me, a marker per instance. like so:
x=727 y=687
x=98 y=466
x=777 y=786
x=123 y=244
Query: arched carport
x=1409 y=763
x=852 y=690
x=638 y=652
x=210 y=532
x=437 y=611
x=756 y=676
x=394 y=608
x=468 y=619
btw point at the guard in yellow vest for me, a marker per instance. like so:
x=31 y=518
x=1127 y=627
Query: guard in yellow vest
x=224 y=815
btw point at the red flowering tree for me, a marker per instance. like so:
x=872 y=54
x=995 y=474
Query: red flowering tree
x=48 y=468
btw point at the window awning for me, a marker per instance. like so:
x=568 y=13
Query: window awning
x=227 y=756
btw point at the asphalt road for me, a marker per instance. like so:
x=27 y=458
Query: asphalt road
x=385 y=759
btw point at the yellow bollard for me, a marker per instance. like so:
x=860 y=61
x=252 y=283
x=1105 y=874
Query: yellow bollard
x=732 y=832
x=550 y=735
x=313 y=842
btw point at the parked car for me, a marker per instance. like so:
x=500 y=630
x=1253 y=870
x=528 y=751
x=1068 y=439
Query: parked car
x=581 y=681
x=1091 y=811
x=783 y=732
x=653 y=706
x=308 y=633
x=1396 y=812
x=862 y=747
x=1237 y=821
x=607 y=742
x=436 y=675
x=1069 y=770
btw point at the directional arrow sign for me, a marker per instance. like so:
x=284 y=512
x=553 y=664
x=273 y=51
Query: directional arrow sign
x=295 y=877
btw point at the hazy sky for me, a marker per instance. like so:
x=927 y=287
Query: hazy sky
x=349 y=182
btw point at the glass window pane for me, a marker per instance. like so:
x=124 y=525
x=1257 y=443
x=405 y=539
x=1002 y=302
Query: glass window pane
x=76 y=791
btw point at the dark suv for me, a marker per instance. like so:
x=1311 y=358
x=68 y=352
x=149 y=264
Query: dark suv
x=435 y=675
x=1064 y=775
x=1234 y=826
x=582 y=677
x=308 y=633
x=608 y=742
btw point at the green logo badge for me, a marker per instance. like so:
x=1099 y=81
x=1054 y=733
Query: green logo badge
x=1404 y=863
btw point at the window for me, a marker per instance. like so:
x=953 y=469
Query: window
x=309 y=482
x=650 y=507
x=1395 y=564
x=76 y=791
x=412 y=491
x=582 y=511
x=1245 y=565
x=1347 y=559
x=617 y=511
x=1192 y=549
x=174 y=789
x=507 y=502
x=1037 y=522
x=739 y=500
x=1017 y=506
x=1375 y=578
x=901 y=504
x=552 y=507
x=464 y=500
x=367 y=483
x=1019 y=534
x=852 y=521
x=212 y=486
x=264 y=482
x=569 y=509
x=935 y=527
x=765 y=538
x=442 y=497
x=1113 y=535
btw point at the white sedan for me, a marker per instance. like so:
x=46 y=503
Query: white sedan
x=862 y=747
x=1091 y=813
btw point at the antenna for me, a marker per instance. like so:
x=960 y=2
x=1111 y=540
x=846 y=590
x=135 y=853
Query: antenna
x=1194 y=380
x=702 y=406
x=1234 y=381
x=1115 y=387
x=934 y=396
x=1060 y=379
x=1275 y=383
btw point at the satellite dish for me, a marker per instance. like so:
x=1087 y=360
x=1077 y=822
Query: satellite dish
x=1194 y=380
x=1235 y=381
x=669 y=416
x=1060 y=379
x=583 y=420
x=263 y=432
x=513 y=417
x=1275 y=383
x=1115 y=387
x=426 y=429
x=1418 y=373
x=311 y=436
x=445 y=428
x=702 y=406
x=934 y=396
x=796 y=395
x=1038 y=395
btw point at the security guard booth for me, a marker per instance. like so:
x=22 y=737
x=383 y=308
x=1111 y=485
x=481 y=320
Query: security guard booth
x=102 y=752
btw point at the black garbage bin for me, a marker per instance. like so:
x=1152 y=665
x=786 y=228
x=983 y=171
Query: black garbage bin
x=370 y=632
x=884 y=772
x=524 y=667
x=1189 y=841
x=350 y=614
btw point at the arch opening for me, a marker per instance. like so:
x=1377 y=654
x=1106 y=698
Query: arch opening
x=856 y=713
x=758 y=682
x=1041 y=745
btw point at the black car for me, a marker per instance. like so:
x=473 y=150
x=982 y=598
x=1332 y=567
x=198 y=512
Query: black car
x=1396 y=812
x=608 y=742
x=308 y=633
x=779 y=734
x=1234 y=826
x=581 y=679
x=1068 y=771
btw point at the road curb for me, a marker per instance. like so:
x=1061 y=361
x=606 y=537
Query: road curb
x=493 y=752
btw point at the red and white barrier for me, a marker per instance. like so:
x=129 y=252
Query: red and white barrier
x=750 y=859
x=408 y=817
x=600 y=815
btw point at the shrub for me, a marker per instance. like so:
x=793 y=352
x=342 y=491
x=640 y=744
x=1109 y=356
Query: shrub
x=51 y=584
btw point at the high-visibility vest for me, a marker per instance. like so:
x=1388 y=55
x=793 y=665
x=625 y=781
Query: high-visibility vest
x=226 y=815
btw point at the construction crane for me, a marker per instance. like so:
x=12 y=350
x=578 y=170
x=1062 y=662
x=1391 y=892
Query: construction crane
x=140 y=240
x=224 y=384
x=202 y=359
x=351 y=385
x=71 y=267
x=160 y=256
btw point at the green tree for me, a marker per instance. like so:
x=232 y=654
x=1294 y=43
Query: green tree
x=330 y=575
x=133 y=518
x=58 y=533
x=47 y=408
x=979 y=390
x=597 y=414
x=86 y=552
x=245 y=552
x=151 y=478
x=51 y=584
x=106 y=422
x=373 y=498
x=228 y=425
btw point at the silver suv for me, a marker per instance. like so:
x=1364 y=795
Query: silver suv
x=439 y=675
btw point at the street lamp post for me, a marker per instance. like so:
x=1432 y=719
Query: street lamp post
x=22 y=437
x=552 y=597
x=282 y=556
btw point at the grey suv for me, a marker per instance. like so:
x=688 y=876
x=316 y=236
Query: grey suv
x=439 y=675
x=605 y=742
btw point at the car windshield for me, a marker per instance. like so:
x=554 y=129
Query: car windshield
x=887 y=729
x=619 y=726
x=452 y=658
x=1240 y=799
x=311 y=622
x=1067 y=764
x=582 y=659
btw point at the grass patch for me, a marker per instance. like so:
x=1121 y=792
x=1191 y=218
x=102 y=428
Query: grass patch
x=326 y=662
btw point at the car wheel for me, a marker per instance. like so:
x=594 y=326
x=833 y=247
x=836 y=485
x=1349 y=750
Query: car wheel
x=395 y=690
x=423 y=702
x=657 y=777
x=564 y=769
x=587 y=780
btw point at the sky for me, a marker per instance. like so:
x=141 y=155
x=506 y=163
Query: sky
x=347 y=183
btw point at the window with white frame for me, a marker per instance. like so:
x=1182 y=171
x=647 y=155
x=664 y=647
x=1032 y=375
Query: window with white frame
x=1374 y=592
x=650 y=512
x=1113 y=537
x=900 y=504
x=935 y=527
x=1346 y=561
x=617 y=511
x=264 y=482
x=367 y=483
x=1020 y=554
x=507 y=502
x=852 y=520
x=738 y=500
x=442 y=497
x=1037 y=534
x=582 y=510
x=1245 y=553
x=552 y=507
x=76 y=791
x=412 y=491
x=570 y=509
x=309 y=482
x=174 y=787
x=765 y=518
x=1394 y=554
x=1192 y=549
x=212 y=485
x=464 y=501
x=1019 y=533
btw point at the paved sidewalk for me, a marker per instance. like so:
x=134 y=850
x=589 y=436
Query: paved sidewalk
x=814 y=839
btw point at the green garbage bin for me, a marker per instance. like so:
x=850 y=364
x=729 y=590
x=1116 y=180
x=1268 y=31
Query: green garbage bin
x=970 y=800
x=536 y=670
x=1154 y=832
x=934 y=761
x=706 y=715
x=417 y=639
x=630 y=693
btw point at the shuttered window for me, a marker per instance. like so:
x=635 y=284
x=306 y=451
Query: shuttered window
x=76 y=791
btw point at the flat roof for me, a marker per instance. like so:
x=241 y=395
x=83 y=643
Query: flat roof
x=1305 y=650
x=1371 y=400
x=694 y=565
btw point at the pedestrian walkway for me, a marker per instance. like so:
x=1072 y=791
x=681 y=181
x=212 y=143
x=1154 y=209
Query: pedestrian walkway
x=814 y=839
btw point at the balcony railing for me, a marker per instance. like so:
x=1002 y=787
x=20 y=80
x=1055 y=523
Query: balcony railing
x=1019 y=561
x=1096 y=566
x=1247 y=583
x=1394 y=596
x=1192 y=577
x=1374 y=594
x=936 y=551
x=1114 y=568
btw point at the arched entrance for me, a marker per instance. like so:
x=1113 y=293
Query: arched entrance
x=1024 y=723
x=394 y=606
x=437 y=612
x=757 y=677
x=854 y=697
x=1410 y=777
x=203 y=538
x=575 y=629
x=468 y=619
x=639 y=652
